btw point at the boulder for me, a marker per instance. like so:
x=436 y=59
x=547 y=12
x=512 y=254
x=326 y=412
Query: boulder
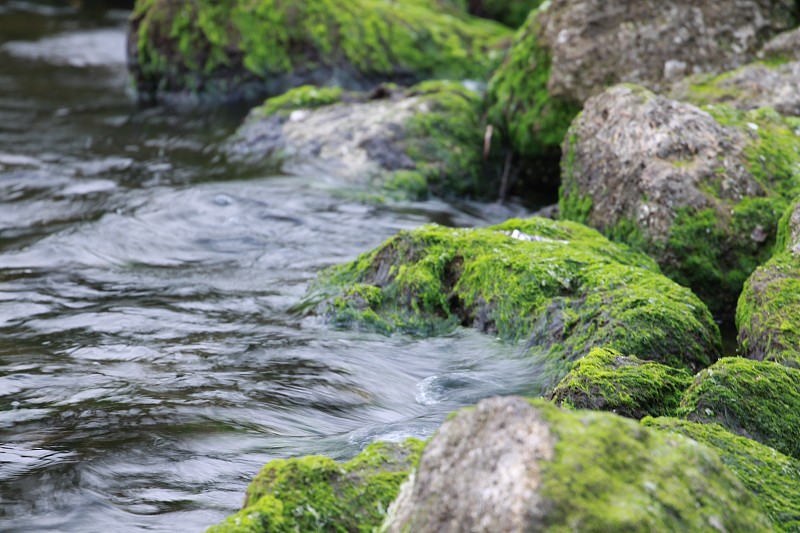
x=407 y=143
x=570 y=50
x=768 y=314
x=783 y=47
x=772 y=477
x=606 y=380
x=316 y=493
x=759 y=400
x=700 y=190
x=190 y=51
x=560 y=287
x=516 y=465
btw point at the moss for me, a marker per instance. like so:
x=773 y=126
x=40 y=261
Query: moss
x=315 y=493
x=211 y=47
x=608 y=381
x=560 y=286
x=772 y=477
x=759 y=400
x=303 y=97
x=534 y=122
x=612 y=474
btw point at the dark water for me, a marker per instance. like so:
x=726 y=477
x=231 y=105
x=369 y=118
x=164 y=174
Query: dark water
x=150 y=362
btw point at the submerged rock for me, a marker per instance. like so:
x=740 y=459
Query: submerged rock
x=759 y=400
x=559 y=286
x=315 y=493
x=701 y=190
x=571 y=50
x=768 y=314
x=203 y=50
x=772 y=477
x=515 y=465
x=606 y=380
x=427 y=139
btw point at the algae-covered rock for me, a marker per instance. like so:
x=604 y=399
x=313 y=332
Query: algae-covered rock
x=315 y=493
x=515 y=465
x=775 y=85
x=232 y=49
x=700 y=190
x=606 y=380
x=510 y=12
x=571 y=50
x=768 y=314
x=757 y=399
x=559 y=286
x=772 y=477
x=427 y=139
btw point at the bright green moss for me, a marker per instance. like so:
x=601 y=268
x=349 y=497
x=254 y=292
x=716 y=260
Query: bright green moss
x=606 y=380
x=612 y=474
x=304 y=97
x=213 y=46
x=534 y=122
x=315 y=493
x=772 y=477
x=759 y=400
x=560 y=286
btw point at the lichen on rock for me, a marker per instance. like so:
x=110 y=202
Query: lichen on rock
x=516 y=465
x=756 y=399
x=316 y=493
x=605 y=380
x=560 y=287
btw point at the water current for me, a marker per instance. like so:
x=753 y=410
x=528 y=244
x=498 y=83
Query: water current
x=150 y=358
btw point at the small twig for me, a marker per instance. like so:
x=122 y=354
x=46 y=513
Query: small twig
x=487 y=141
x=504 y=179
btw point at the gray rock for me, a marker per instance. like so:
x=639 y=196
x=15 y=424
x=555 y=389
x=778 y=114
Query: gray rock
x=783 y=46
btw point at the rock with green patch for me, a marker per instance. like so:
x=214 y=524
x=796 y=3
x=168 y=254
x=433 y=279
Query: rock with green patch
x=782 y=47
x=768 y=314
x=408 y=143
x=700 y=190
x=560 y=287
x=316 y=493
x=606 y=380
x=512 y=13
x=772 y=477
x=211 y=51
x=570 y=50
x=759 y=400
x=516 y=465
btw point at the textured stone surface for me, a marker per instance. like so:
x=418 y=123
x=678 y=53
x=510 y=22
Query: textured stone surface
x=783 y=46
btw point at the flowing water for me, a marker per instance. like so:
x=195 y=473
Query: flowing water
x=150 y=360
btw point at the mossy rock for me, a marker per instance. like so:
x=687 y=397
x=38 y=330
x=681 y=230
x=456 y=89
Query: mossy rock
x=700 y=190
x=516 y=465
x=512 y=13
x=315 y=493
x=759 y=400
x=772 y=477
x=210 y=51
x=768 y=314
x=558 y=286
x=606 y=380
x=400 y=143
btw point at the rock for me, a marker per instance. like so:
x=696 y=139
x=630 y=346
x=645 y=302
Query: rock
x=749 y=87
x=315 y=493
x=606 y=380
x=759 y=400
x=510 y=12
x=768 y=314
x=772 y=477
x=783 y=47
x=559 y=286
x=183 y=51
x=515 y=465
x=570 y=50
x=428 y=139
x=700 y=190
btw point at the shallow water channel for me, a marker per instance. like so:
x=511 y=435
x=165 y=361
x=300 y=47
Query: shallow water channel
x=150 y=360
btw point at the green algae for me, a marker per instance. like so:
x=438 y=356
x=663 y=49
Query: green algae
x=303 y=97
x=534 y=122
x=606 y=380
x=559 y=286
x=772 y=477
x=757 y=399
x=315 y=493
x=612 y=474
x=212 y=47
